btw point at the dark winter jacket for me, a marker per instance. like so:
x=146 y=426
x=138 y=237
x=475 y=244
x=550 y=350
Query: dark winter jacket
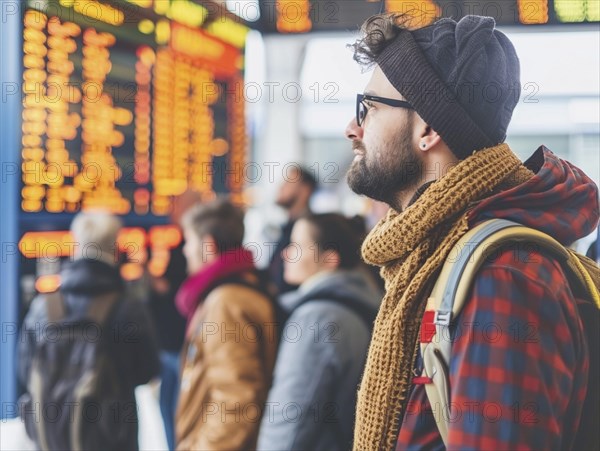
x=169 y=323
x=129 y=335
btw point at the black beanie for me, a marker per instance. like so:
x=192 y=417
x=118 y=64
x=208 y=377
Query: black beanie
x=461 y=77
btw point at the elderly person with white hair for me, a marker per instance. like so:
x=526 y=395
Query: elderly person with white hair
x=90 y=282
x=95 y=235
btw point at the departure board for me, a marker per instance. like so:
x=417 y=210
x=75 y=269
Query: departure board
x=304 y=16
x=118 y=104
x=127 y=104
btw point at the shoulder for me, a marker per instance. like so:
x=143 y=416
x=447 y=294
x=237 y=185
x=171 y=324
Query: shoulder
x=232 y=294
x=237 y=300
x=320 y=307
x=323 y=311
x=521 y=304
x=526 y=264
x=37 y=312
x=525 y=285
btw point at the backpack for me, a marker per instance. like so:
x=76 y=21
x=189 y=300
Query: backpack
x=75 y=398
x=451 y=291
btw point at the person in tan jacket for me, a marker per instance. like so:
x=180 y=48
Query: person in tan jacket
x=230 y=345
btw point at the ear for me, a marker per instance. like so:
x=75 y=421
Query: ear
x=331 y=260
x=428 y=138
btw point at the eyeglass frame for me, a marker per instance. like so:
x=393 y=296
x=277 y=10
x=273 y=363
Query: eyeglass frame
x=360 y=98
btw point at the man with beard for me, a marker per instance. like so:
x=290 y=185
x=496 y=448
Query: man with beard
x=429 y=139
x=294 y=197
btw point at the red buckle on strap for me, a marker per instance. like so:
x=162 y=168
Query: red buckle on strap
x=421 y=380
x=428 y=326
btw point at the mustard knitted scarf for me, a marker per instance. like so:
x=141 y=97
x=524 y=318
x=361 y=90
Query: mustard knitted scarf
x=411 y=247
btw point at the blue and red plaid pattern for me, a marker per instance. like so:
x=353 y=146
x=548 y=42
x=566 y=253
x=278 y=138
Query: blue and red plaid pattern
x=518 y=372
x=519 y=364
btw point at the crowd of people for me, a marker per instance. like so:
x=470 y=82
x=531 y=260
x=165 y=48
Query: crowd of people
x=269 y=356
x=312 y=353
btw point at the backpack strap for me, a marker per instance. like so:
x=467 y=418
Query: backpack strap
x=451 y=291
x=102 y=305
x=588 y=274
x=55 y=311
x=55 y=306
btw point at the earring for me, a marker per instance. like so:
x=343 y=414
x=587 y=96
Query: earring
x=423 y=145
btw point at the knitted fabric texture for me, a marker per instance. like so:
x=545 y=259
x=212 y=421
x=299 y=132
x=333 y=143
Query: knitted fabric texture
x=461 y=77
x=411 y=247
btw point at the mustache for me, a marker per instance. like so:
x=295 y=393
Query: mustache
x=358 y=145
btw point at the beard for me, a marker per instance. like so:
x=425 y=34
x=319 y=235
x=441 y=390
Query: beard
x=398 y=170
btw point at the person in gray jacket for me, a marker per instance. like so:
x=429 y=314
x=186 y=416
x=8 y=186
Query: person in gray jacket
x=325 y=340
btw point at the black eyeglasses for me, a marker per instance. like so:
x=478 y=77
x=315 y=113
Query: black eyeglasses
x=362 y=109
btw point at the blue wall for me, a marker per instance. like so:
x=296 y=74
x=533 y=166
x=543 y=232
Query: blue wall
x=10 y=132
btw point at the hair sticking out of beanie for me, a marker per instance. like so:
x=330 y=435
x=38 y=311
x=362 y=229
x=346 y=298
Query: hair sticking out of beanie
x=378 y=31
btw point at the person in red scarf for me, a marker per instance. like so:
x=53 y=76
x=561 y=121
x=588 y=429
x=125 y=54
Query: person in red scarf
x=230 y=344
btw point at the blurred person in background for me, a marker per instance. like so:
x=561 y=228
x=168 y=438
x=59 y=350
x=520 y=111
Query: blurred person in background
x=169 y=323
x=324 y=343
x=230 y=342
x=98 y=370
x=429 y=141
x=362 y=226
x=294 y=197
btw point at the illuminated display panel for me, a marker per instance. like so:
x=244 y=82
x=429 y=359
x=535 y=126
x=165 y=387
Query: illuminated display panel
x=131 y=244
x=293 y=16
x=303 y=16
x=127 y=104
x=51 y=244
x=505 y=12
x=421 y=12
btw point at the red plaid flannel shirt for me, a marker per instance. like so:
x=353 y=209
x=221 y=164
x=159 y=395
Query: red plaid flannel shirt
x=518 y=372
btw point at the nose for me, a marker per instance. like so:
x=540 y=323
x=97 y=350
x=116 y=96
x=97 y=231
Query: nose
x=353 y=131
